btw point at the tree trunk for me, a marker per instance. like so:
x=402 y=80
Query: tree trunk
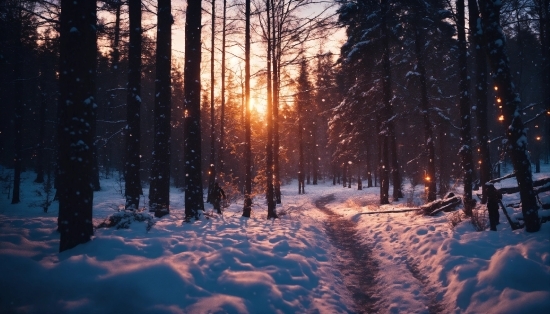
x=359 y=181
x=276 y=74
x=159 y=190
x=132 y=165
x=386 y=114
x=248 y=149
x=271 y=213
x=481 y=98
x=192 y=104
x=495 y=45
x=41 y=141
x=369 y=169
x=212 y=167
x=18 y=114
x=222 y=107
x=425 y=105
x=464 y=85
x=77 y=71
x=301 y=166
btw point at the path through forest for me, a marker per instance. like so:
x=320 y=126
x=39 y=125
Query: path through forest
x=353 y=259
x=356 y=262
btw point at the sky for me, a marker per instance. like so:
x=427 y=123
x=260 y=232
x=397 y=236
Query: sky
x=231 y=264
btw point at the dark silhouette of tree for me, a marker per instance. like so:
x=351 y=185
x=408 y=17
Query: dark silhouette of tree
x=465 y=112
x=303 y=100
x=132 y=165
x=222 y=106
x=480 y=94
x=516 y=133
x=271 y=213
x=77 y=72
x=159 y=190
x=212 y=163
x=192 y=101
x=247 y=140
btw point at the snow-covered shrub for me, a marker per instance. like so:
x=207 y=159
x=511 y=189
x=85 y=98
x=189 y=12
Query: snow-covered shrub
x=123 y=218
x=455 y=218
x=230 y=185
x=479 y=219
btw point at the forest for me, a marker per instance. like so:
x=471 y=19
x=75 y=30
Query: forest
x=256 y=94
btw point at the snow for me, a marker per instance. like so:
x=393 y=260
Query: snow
x=232 y=264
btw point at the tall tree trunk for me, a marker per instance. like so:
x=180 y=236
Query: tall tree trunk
x=359 y=181
x=159 y=189
x=464 y=88
x=18 y=116
x=271 y=213
x=344 y=174
x=443 y=161
x=276 y=46
x=42 y=122
x=369 y=169
x=192 y=105
x=222 y=108
x=314 y=150
x=425 y=105
x=301 y=165
x=212 y=166
x=248 y=149
x=495 y=45
x=386 y=110
x=77 y=71
x=480 y=97
x=132 y=165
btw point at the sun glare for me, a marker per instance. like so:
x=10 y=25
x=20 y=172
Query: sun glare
x=258 y=106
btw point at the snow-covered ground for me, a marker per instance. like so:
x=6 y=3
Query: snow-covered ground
x=232 y=264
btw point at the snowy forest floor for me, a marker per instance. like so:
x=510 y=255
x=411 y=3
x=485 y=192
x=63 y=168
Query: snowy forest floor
x=328 y=253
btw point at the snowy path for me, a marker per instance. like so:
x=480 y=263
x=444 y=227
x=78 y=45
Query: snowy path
x=354 y=259
x=362 y=273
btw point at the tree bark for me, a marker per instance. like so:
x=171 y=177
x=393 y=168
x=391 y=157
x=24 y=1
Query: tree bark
x=77 y=71
x=481 y=97
x=132 y=165
x=271 y=213
x=425 y=105
x=212 y=166
x=276 y=84
x=159 y=190
x=247 y=140
x=222 y=107
x=464 y=86
x=495 y=49
x=384 y=123
x=192 y=104
x=18 y=114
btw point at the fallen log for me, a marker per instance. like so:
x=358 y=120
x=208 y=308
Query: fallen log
x=513 y=225
x=510 y=175
x=437 y=206
x=543 y=183
x=391 y=211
